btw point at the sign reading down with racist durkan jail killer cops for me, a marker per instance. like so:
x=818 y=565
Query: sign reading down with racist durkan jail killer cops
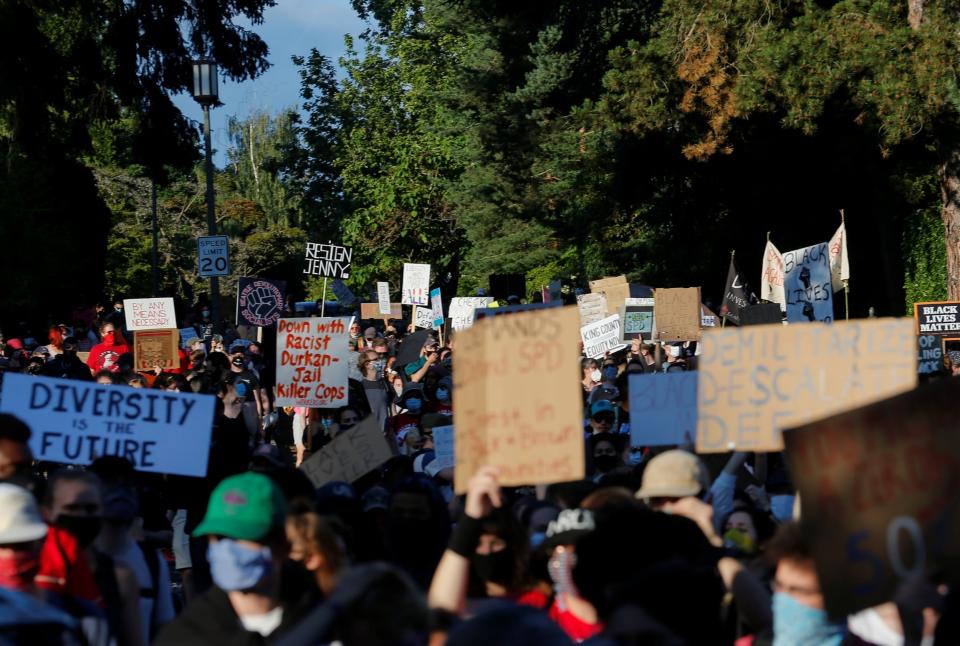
x=941 y=318
x=312 y=368
x=756 y=381
x=75 y=422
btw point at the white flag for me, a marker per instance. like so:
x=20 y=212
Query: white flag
x=771 y=281
x=839 y=265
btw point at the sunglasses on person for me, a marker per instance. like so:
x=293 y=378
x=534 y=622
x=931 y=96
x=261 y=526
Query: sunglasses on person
x=603 y=417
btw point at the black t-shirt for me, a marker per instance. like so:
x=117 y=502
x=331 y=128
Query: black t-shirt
x=251 y=381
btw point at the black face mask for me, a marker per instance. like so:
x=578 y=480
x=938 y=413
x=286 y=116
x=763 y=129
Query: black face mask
x=605 y=463
x=496 y=567
x=84 y=528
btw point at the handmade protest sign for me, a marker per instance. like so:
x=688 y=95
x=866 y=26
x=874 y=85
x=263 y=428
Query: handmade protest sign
x=615 y=291
x=436 y=306
x=75 y=422
x=424 y=318
x=757 y=381
x=592 y=308
x=878 y=490
x=517 y=407
x=677 y=314
x=350 y=455
x=462 y=309
x=808 y=285
x=416 y=284
x=383 y=298
x=260 y=301
x=601 y=337
x=664 y=407
x=187 y=333
x=929 y=354
x=941 y=318
x=344 y=296
x=312 y=367
x=328 y=260
x=444 y=447
x=637 y=318
x=372 y=311
x=149 y=314
x=152 y=348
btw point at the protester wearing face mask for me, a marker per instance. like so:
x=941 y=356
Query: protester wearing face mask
x=490 y=543
x=315 y=545
x=607 y=388
x=606 y=452
x=441 y=402
x=429 y=356
x=252 y=592
x=253 y=406
x=574 y=614
x=674 y=360
x=407 y=423
x=374 y=386
x=591 y=377
x=67 y=365
x=106 y=354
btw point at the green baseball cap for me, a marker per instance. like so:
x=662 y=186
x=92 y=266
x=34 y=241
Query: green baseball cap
x=244 y=507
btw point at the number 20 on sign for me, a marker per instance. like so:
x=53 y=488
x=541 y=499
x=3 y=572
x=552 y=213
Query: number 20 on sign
x=213 y=256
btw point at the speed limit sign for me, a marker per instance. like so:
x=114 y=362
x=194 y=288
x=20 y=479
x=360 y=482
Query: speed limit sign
x=213 y=256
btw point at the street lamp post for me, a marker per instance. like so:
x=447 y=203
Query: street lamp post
x=205 y=93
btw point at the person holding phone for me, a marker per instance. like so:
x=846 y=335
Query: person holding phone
x=429 y=356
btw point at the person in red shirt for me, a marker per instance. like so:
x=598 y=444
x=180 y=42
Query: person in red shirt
x=106 y=354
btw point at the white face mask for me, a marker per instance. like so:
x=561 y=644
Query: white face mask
x=674 y=351
x=596 y=376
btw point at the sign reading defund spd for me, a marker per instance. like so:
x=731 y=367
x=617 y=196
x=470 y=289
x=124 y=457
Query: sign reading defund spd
x=75 y=422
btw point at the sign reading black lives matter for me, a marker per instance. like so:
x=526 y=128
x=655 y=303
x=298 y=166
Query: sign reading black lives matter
x=941 y=318
x=328 y=260
x=75 y=422
x=260 y=301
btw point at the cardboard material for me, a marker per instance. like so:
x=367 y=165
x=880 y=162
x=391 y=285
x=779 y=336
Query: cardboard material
x=615 y=290
x=75 y=422
x=260 y=301
x=312 y=362
x=462 y=310
x=664 y=407
x=677 y=314
x=517 y=407
x=152 y=348
x=757 y=381
x=149 y=314
x=416 y=284
x=592 y=308
x=808 y=285
x=878 y=490
x=328 y=260
x=350 y=455
x=942 y=318
x=372 y=311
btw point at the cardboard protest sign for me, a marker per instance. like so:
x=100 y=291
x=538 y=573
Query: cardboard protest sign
x=328 y=260
x=436 y=306
x=423 y=318
x=149 y=314
x=615 y=291
x=350 y=455
x=372 y=311
x=152 y=348
x=462 y=309
x=344 y=296
x=416 y=284
x=664 y=407
x=601 y=337
x=929 y=354
x=942 y=318
x=773 y=277
x=487 y=312
x=444 y=447
x=808 y=285
x=75 y=422
x=757 y=381
x=677 y=314
x=312 y=366
x=260 y=301
x=517 y=407
x=592 y=308
x=761 y=314
x=637 y=319
x=383 y=298
x=878 y=491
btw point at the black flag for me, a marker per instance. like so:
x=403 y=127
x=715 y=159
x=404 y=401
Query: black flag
x=736 y=295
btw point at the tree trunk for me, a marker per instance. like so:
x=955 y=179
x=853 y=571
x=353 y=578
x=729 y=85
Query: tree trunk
x=950 y=212
x=915 y=13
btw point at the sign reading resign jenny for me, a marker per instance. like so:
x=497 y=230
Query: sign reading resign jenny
x=328 y=260
x=75 y=422
x=312 y=365
x=757 y=381
x=517 y=408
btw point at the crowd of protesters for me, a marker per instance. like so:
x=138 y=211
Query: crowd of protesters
x=654 y=546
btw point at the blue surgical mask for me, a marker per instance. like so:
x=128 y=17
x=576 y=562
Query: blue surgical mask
x=443 y=394
x=795 y=623
x=378 y=366
x=634 y=458
x=537 y=538
x=782 y=507
x=237 y=567
x=413 y=405
x=610 y=373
